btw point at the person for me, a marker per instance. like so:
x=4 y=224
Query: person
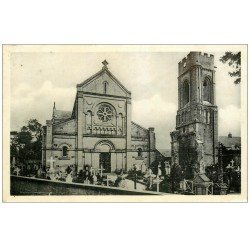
x=87 y=176
x=68 y=170
x=52 y=174
x=39 y=173
x=150 y=178
x=80 y=177
x=47 y=174
x=60 y=175
x=159 y=170
x=123 y=183
x=143 y=167
x=29 y=169
x=69 y=178
x=94 y=178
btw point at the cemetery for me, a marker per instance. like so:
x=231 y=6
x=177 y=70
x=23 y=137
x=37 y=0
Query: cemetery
x=97 y=146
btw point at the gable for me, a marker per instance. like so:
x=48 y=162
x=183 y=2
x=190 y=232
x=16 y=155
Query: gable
x=95 y=84
x=66 y=127
x=137 y=131
x=201 y=178
x=61 y=115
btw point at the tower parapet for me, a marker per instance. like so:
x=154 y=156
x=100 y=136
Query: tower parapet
x=196 y=59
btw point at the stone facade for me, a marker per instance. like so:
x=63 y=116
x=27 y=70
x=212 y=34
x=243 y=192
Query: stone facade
x=99 y=130
x=195 y=139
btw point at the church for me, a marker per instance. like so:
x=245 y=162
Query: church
x=98 y=131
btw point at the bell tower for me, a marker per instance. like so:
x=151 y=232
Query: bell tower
x=196 y=136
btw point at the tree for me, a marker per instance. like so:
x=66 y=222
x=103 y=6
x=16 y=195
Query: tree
x=34 y=128
x=28 y=144
x=234 y=61
x=176 y=176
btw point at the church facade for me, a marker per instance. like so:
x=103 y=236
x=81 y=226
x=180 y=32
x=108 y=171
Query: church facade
x=195 y=140
x=98 y=131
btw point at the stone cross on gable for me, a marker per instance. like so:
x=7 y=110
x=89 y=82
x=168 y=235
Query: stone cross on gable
x=105 y=64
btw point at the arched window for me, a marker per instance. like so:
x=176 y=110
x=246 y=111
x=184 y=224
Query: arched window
x=89 y=122
x=120 y=124
x=177 y=119
x=105 y=87
x=207 y=90
x=187 y=116
x=65 y=151
x=139 y=151
x=208 y=117
x=185 y=93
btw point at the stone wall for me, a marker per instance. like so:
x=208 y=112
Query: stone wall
x=31 y=186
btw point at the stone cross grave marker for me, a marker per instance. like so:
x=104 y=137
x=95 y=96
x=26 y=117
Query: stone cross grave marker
x=51 y=161
x=232 y=162
x=101 y=169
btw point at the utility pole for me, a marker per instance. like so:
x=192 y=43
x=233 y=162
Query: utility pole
x=135 y=177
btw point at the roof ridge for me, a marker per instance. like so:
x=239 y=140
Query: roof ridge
x=63 y=110
x=138 y=125
x=104 y=69
x=63 y=121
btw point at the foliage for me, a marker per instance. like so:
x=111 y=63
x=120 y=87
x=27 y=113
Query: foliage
x=176 y=176
x=165 y=185
x=27 y=145
x=234 y=61
x=231 y=176
x=188 y=155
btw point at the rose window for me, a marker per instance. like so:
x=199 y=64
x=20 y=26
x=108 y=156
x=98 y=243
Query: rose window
x=105 y=113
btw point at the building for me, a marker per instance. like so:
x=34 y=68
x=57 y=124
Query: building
x=231 y=150
x=230 y=141
x=163 y=155
x=195 y=139
x=98 y=131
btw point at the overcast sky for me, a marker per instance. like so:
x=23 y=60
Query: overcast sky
x=39 y=79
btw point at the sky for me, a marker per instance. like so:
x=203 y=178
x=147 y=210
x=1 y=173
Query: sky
x=40 y=78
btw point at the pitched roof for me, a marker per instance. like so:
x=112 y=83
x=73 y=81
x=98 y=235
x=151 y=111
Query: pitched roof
x=230 y=141
x=137 y=125
x=100 y=72
x=62 y=115
x=165 y=152
x=203 y=177
x=13 y=132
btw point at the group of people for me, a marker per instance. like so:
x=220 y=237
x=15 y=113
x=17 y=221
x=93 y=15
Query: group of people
x=87 y=175
x=29 y=170
x=69 y=174
x=41 y=172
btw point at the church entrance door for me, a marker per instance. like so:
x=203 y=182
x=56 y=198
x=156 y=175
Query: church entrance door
x=105 y=161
